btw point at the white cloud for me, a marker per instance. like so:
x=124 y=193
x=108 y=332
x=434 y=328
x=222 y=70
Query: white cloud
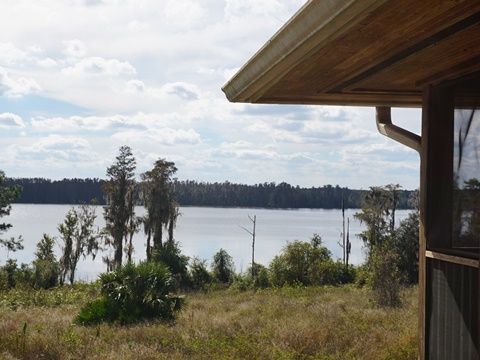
x=54 y=148
x=91 y=123
x=9 y=121
x=100 y=66
x=16 y=87
x=75 y=48
x=165 y=136
x=184 y=14
x=235 y=8
x=182 y=90
x=10 y=54
x=47 y=63
x=135 y=87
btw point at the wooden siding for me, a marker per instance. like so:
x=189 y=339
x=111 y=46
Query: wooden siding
x=452 y=311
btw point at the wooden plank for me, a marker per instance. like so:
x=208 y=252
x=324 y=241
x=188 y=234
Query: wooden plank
x=439 y=166
x=378 y=39
x=435 y=187
x=423 y=68
x=428 y=48
x=452 y=259
x=397 y=100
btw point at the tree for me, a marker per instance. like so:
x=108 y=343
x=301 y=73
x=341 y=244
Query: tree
x=162 y=214
x=254 y=221
x=345 y=245
x=378 y=214
x=80 y=238
x=10 y=270
x=406 y=246
x=466 y=214
x=8 y=194
x=406 y=243
x=162 y=211
x=45 y=266
x=223 y=267
x=118 y=213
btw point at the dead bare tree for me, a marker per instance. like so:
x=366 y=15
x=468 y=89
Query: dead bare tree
x=254 y=221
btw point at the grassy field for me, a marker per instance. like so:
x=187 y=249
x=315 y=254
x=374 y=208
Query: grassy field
x=286 y=323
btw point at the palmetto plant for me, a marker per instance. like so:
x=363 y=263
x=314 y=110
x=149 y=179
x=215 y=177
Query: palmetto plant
x=132 y=293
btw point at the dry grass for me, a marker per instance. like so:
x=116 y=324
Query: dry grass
x=311 y=323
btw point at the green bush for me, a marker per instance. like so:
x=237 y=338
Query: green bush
x=383 y=276
x=260 y=279
x=46 y=268
x=171 y=255
x=306 y=264
x=133 y=293
x=223 y=268
x=248 y=280
x=199 y=275
x=12 y=276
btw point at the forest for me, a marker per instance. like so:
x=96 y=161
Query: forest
x=195 y=193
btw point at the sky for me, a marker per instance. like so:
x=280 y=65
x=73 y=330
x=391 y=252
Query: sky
x=81 y=78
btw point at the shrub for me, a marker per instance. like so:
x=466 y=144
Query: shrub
x=11 y=275
x=246 y=281
x=133 y=293
x=171 y=255
x=383 y=276
x=326 y=272
x=199 y=275
x=260 y=279
x=45 y=266
x=223 y=267
x=305 y=263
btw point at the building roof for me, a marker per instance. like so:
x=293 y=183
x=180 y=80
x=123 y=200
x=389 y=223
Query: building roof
x=362 y=52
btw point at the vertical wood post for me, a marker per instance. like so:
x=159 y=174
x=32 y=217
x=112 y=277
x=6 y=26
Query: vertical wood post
x=436 y=170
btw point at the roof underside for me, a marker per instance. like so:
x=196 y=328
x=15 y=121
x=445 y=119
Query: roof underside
x=363 y=52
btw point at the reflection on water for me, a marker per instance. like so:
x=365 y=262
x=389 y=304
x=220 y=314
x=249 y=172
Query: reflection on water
x=466 y=186
x=202 y=232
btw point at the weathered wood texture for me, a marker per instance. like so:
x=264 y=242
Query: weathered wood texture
x=453 y=259
x=384 y=55
x=437 y=166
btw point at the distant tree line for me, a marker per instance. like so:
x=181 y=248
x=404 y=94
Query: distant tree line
x=195 y=193
x=66 y=191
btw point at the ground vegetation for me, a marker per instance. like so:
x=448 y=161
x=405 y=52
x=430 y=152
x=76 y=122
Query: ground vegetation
x=276 y=323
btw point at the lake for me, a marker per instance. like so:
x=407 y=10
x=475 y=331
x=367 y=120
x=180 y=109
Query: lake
x=202 y=231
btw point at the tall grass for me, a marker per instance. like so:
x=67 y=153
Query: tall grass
x=282 y=323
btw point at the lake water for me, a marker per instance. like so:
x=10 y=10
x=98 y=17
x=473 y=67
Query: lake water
x=202 y=231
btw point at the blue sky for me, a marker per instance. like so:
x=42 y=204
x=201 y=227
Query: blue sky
x=80 y=78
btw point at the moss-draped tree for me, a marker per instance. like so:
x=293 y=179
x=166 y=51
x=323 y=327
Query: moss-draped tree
x=162 y=210
x=118 y=213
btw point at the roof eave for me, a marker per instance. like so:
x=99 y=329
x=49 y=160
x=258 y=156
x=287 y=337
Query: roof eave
x=311 y=28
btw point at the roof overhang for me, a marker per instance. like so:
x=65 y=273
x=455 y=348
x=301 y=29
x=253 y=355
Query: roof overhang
x=362 y=52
